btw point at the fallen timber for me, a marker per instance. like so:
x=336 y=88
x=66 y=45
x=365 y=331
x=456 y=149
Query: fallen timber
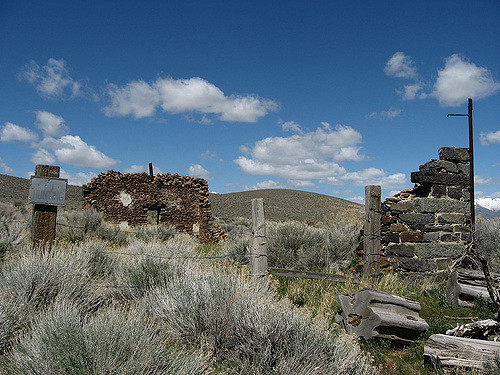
x=371 y=313
x=451 y=351
x=464 y=285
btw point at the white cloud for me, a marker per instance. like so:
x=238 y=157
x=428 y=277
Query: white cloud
x=207 y=155
x=4 y=167
x=389 y=114
x=401 y=66
x=490 y=138
x=196 y=170
x=42 y=156
x=11 y=132
x=300 y=183
x=291 y=126
x=79 y=178
x=481 y=181
x=71 y=149
x=358 y=199
x=141 y=168
x=141 y=99
x=136 y=98
x=51 y=125
x=490 y=203
x=52 y=80
x=314 y=156
x=413 y=91
x=461 y=79
x=373 y=176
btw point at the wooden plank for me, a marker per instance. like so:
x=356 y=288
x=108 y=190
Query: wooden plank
x=44 y=216
x=454 y=351
x=309 y=275
x=371 y=242
x=258 y=242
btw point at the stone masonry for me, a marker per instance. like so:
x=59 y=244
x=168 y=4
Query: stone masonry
x=137 y=198
x=424 y=228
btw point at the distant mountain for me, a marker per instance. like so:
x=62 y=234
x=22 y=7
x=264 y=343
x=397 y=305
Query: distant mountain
x=485 y=213
x=284 y=204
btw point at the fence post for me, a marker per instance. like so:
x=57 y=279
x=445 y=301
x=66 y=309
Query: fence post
x=44 y=216
x=258 y=243
x=371 y=241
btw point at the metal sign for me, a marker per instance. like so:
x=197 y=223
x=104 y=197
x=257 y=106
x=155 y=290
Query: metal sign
x=46 y=190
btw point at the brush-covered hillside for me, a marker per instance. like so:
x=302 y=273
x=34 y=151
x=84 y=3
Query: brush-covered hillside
x=283 y=204
x=280 y=204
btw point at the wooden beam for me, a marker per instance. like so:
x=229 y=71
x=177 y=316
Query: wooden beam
x=258 y=241
x=371 y=242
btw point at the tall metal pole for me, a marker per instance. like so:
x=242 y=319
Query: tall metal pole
x=471 y=165
x=471 y=157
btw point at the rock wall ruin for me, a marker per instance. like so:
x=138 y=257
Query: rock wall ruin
x=424 y=228
x=138 y=198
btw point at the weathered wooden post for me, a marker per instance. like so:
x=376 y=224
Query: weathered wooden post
x=258 y=241
x=371 y=242
x=47 y=191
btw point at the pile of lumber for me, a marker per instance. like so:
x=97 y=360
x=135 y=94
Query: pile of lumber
x=371 y=313
x=465 y=285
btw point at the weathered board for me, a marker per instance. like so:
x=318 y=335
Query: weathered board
x=371 y=313
x=463 y=286
x=445 y=351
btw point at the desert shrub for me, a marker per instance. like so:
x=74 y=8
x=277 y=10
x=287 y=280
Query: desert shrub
x=14 y=228
x=114 y=341
x=247 y=330
x=32 y=281
x=155 y=232
x=235 y=227
x=327 y=248
x=150 y=264
x=487 y=240
x=237 y=249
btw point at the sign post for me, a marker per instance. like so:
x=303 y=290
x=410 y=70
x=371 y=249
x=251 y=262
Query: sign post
x=47 y=191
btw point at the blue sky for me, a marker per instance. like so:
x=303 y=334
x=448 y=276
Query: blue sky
x=325 y=96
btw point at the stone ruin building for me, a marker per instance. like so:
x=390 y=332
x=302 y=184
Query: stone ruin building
x=423 y=229
x=138 y=198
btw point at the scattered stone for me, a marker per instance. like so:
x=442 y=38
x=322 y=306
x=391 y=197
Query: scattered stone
x=455 y=154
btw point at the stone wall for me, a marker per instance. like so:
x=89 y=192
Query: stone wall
x=424 y=228
x=137 y=198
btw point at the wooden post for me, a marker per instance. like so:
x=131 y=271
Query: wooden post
x=371 y=242
x=151 y=170
x=44 y=216
x=258 y=243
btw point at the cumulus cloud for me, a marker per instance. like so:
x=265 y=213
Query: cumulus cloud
x=481 y=180
x=42 y=156
x=10 y=132
x=141 y=99
x=51 y=125
x=490 y=138
x=291 y=126
x=300 y=183
x=413 y=91
x=79 y=178
x=142 y=168
x=313 y=155
x=196 y=170
x=357 y=199
x=401 y=66
x=374 y=176
x=51 y=80
x=71 y=149
x=461 y=79
x=382 y=115
x=4 y=167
